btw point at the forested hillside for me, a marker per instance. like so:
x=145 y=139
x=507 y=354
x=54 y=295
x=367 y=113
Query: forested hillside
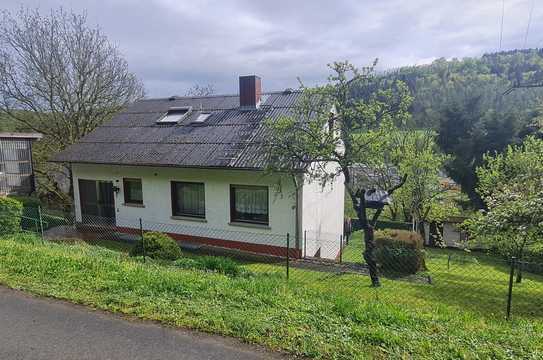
x=467 y=102
x=483 y=79
x=7 y=125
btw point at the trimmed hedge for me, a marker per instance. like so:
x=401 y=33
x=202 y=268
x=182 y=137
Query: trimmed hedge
x=157 y=246
x=388 y=224
x=11 y=211
x=31 y=214
x=27 y=201
x=399 y=251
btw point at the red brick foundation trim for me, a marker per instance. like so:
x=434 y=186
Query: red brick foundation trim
x=230 y=244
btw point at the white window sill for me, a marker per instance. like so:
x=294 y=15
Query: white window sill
x=249 y=225
x=134 y=205
x=188 y=218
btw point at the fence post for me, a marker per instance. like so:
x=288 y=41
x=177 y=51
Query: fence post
x=41 y=221
x=449 y=262
x=305 y=244
x=142 y=240
x=510 y=292
x=288 y=253
x=340 y=248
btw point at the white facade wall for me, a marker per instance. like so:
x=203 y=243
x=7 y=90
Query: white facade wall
x=157 y=210
x=323 y=216
x=321 y=209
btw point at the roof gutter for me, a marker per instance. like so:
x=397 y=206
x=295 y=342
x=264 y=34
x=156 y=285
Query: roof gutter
x=15 y=135
x=167 y=166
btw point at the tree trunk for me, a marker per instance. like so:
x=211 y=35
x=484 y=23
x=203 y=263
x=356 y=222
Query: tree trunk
x=433 y=234
x=369 y=255
x=519 y=270
x=71 y=188
x=369 y=241
x=422 y=231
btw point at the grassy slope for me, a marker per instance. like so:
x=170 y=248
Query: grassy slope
x=332 y=317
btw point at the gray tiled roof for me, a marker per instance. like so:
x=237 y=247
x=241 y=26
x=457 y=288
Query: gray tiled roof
x=229 y=138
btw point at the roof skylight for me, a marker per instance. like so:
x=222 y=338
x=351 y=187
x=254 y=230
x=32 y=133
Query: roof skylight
x=202 y=117
x=174 y=115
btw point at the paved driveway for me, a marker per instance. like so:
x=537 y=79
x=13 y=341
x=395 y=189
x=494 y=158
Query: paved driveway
x=33 y=328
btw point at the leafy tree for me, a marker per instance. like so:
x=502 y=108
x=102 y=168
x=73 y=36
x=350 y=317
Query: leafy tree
x=422 y=198
x=62 y=78
x=467 y=133
x=331 y=131
x=511 y=185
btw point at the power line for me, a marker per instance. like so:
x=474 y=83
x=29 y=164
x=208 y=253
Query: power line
x=528 y=26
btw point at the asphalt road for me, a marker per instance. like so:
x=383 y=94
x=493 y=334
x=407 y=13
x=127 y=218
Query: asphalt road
x=35 y=328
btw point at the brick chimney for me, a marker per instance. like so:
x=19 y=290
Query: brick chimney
x=250 y=90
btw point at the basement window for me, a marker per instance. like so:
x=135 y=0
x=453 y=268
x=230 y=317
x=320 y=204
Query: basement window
x=174 y=115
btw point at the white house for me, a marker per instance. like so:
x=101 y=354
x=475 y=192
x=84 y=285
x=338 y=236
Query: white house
x=193 y=167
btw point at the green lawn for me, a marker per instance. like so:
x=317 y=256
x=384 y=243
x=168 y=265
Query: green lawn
x=316 y=315
x=120 y=246
x=467 y=281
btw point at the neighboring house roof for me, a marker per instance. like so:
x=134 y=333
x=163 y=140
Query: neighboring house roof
x=363 y=176
x=230 y=137
x=17 y=135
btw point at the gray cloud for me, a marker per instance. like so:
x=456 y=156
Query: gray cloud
x=173 y=44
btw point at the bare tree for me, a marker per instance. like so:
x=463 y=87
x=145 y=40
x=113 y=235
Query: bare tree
x=201 y=90
x=60 y=77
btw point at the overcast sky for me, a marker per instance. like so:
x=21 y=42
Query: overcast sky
x=173 y=44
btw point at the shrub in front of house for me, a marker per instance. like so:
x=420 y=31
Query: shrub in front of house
x=11 y=211
x=399 y=251
x=157 y=246
x=27 y=201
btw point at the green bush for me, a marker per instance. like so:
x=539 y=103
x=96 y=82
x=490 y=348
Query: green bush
x=187 y=263
x=11 y=211
x=27 y=201
x=31 y=211
x=157 y=246
x=218 y=264
x=399 y=251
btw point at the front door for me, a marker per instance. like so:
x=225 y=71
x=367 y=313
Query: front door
x=97 y=201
